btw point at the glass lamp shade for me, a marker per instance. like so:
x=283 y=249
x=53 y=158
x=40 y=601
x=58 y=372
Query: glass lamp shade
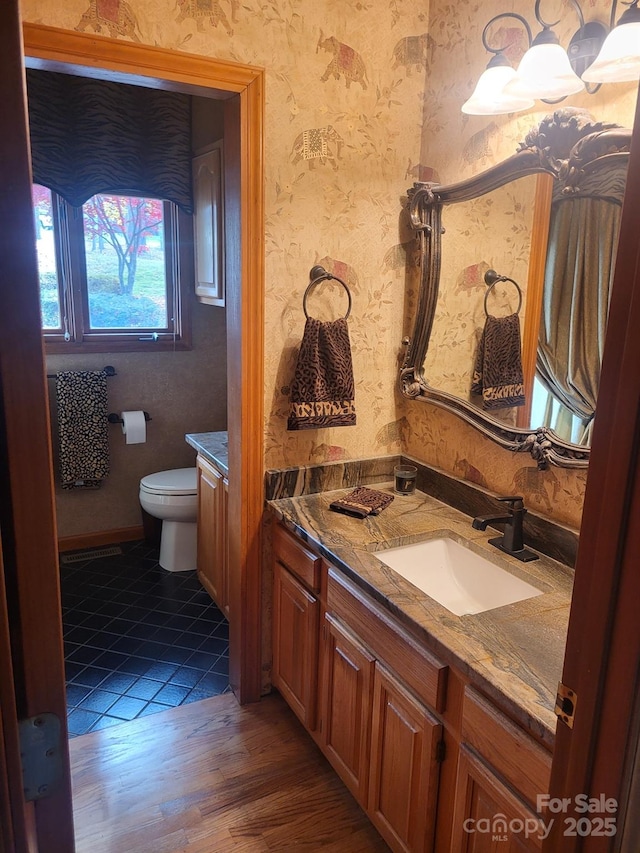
x=545 y=72
x=619 y=57
x=489 y=97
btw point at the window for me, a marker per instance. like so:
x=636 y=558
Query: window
x=110 y=272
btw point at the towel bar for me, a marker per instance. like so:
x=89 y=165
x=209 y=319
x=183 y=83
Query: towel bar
x=492 y=278
x=108 y=370
x=317 y=275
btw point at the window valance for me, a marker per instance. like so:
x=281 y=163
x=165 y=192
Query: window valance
x=90 y=136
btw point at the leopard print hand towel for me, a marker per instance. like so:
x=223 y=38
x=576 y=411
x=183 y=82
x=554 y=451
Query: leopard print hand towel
x=497 y=373
x=82 y=428
x=322 y=392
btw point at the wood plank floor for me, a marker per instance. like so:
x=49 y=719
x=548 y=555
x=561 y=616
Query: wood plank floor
x=212 y=777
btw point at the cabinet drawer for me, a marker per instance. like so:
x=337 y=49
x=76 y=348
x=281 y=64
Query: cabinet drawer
x=402 y=653
x=205 y=465
x=304 y=564
x=511 y=751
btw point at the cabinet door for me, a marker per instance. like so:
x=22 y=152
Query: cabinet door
x=208 y=221
x=347 y=682
x=211 y=531
x=403 y=781
x=295 y=644
x=488 y=816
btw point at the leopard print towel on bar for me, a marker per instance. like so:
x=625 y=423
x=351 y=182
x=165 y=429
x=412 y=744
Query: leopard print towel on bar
x=82 y=428
x=322 y=392
x=497 y=373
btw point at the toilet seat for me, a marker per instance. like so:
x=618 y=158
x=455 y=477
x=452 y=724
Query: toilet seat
x=179 y=481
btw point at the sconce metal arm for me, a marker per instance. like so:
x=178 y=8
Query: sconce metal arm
x=632 y=13
x=498 y=50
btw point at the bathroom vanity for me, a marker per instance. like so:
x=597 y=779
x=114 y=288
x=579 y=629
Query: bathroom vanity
x=213 y=486
x=440 y=725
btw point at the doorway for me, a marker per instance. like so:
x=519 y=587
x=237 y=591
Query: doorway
x=241 y=89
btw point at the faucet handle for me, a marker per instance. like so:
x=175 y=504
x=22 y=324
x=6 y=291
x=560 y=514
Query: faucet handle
x=516 y=501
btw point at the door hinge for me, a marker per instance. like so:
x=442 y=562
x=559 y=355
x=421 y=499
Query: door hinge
x=566 y=704
x=41 y=755
x=441 y=751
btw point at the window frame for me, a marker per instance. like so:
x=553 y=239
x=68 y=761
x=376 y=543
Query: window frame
x=74 y=300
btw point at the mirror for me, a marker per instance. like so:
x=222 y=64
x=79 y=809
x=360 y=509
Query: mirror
x=492 y=231
x=546 y=220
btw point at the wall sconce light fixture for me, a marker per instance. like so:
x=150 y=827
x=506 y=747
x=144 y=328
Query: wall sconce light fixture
x=548 y=72
x=545 y=71
x=619 y=57
x=490 y=96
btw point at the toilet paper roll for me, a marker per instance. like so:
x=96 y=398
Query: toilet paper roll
x=134 y=427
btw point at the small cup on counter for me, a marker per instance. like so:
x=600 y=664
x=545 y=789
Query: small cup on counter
x=405 y=479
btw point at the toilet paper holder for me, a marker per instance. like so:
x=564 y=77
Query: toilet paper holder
x=114 y=418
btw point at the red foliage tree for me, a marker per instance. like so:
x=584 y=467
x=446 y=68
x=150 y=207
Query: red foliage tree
x=41 y=197
x=123 y=222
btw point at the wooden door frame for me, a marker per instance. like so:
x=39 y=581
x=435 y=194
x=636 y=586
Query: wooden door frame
x=603 y=643
x=31 y=649
x=14 y=823
x=98 y=56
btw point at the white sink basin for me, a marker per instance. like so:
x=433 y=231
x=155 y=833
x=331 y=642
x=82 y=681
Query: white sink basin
x=458 y=578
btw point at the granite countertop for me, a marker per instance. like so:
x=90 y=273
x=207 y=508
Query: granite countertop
x=213 y=446
x=513 y=653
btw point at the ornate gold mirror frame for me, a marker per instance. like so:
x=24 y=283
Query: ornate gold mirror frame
x=568 y=145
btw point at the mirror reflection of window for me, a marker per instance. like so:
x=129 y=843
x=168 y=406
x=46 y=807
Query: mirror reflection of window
x=583 y=239
x=548 y=411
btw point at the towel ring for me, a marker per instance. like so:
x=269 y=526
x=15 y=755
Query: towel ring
x=492 y=278
x=317 y=275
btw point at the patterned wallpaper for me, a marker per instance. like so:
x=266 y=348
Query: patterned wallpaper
x=362 y=98
x=344 y=86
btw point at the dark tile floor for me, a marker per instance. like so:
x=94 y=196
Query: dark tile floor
x=137 y=639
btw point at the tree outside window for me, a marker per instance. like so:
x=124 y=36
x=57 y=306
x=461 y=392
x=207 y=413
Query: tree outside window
x=125 y=260
x=108 y=270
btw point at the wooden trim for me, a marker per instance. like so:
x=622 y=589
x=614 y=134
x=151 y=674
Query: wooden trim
x=100 y=538
x=13 y=809
x=603 y=638
x=243 y=86
x=58 y=48
x=245 y=354
x=615 y=733
x=27 y=506
x=535 y=289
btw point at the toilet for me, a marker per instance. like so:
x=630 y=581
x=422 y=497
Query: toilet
x=172 y=496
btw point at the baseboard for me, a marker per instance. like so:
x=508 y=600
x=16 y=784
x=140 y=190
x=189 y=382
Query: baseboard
x=103 y=537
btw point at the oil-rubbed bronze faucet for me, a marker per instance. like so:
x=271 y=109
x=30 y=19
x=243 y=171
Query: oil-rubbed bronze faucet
x=511 y=541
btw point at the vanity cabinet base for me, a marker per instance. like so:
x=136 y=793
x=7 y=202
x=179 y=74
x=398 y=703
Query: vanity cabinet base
x=381 y=707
